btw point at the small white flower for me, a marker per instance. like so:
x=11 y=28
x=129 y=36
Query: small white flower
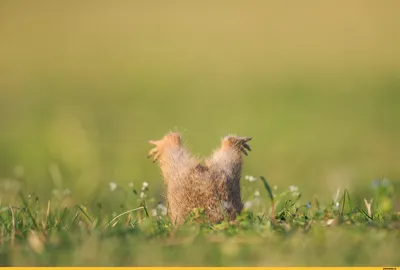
x=337 y=205
x=160 y=206
x=248 y=205
x=142 y=195
x=293 y=188
x=329 y=222
x=257 y=193
x=250 y=178
x=144 y=186
x=163 y=209
x=113 y=186
x=130 y=184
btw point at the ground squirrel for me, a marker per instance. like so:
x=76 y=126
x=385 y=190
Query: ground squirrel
x=214 y=186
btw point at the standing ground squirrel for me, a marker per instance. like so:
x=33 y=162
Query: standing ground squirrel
x=214 y=186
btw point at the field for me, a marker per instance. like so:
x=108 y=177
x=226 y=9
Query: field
x=83 y=87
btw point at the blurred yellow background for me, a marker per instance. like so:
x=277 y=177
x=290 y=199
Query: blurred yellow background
x=84 y=85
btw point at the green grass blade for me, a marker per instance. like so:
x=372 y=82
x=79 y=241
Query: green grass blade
x=268 y=188
x=84 y=212
x=364 y=213
x=28 y=210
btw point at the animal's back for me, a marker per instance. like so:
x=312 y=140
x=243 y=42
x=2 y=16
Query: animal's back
x=214 y=187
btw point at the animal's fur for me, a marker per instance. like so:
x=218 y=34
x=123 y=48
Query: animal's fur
x=214 y=187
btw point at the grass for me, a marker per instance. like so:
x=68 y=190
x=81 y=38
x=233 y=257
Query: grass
x=276 y=228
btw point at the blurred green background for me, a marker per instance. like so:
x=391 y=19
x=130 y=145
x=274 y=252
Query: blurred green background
x=84 y=85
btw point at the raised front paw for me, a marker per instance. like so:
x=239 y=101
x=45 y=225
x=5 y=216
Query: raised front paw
x=239 y=143
x=169 y=140
x=154 y=152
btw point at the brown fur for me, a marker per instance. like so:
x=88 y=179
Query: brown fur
x=214 y=187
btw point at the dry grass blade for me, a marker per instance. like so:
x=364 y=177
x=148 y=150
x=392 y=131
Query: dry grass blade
x=124 y=213
x=368 y=205
x=12 y=236
x=47 y=216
